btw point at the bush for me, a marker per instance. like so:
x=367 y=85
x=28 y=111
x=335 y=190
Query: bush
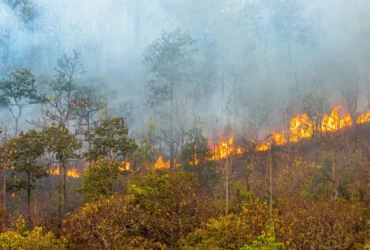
x=35 y=239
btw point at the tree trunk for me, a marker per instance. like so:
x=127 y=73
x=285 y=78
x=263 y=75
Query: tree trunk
x=64 y=188
x=88 y=129
x=29 y=197
x=172 y=155
x=270 y=183
x=4 y=196
x=335 y=183
x=227 y=188
x=16 y=125
x=60 y=208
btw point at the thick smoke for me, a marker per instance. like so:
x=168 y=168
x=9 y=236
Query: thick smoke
x=255 y=56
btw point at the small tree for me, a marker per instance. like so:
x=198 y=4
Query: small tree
x=18 y=91
x=25 y=151
x=110 y=141
x=99 y=179
x=62 y=145
x=265 y=242
x=196 y=150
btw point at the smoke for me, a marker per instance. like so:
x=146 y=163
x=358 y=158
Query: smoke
x=255 y=55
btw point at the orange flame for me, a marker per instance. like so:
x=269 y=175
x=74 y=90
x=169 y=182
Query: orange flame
x=73 y=173
x=333 y=123
x=264 y=147
x=160 y=164
x=70 y=173
x=301 y=127
x=125 y=166
x=364 y=118
x=279 y=138
x=194 y=160
x=225 y=149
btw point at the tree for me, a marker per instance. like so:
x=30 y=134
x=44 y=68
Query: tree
x=89 y=102
x=61 y=106
x=25 y=151
x=146 y=150
x=265 y=242
x=110 y=141
x=196 y=150
x=159 y=209
x=109 y=223
x=167 y=205
x=169 y=60
x=232 y=231
x=18 y=91
x=99 y=179
x=62 y=146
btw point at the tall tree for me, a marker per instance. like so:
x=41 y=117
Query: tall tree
x=18 y=91
x=169 y=60
x=61 y=106
x=89 y=101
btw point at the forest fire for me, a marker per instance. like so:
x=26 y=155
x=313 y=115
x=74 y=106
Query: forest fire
x=224 y=149
x=302 y=127
x=125 y=166
x=70 y=173
x=160 y=164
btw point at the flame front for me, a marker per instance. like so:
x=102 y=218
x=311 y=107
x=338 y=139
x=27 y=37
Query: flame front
x=224 y=149
x=70 y=172
x=301 y=127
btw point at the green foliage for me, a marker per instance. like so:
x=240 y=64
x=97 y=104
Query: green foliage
x=110 y=141
x=20 y=238
x=109 y=223
x=160 y=208
x=24 y=151
x=322 y=225
x=99 y=178
x=233 y=231
x=196 y=150
x=19 y=90
x=34 y=240
x=167 y=204
x=146 y=150
x=59 y=141
x=267 y=241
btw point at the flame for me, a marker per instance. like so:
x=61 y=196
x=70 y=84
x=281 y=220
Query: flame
x=160 y=164
x=301 y=127
x=70 y=173
x=279 y=138
x=125 y=166
x=53 y=172
x=73 y=173
x=194 y=160
x=224 y=149
x=264 y=147
x=364 y=118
